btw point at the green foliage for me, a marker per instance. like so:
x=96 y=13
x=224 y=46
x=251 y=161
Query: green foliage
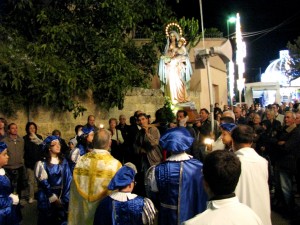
x=29 y=81
x=191 y=31
x=294 y=48
x=213 y=33
x=52 y=52
x=165 y=115
x=168 y=112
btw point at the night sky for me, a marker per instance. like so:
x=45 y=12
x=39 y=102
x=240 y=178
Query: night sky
x=256 y=15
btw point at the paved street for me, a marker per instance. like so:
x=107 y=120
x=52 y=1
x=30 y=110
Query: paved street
x=30 y=215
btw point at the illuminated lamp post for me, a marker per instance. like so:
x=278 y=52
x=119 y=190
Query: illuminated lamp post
x=230 y=20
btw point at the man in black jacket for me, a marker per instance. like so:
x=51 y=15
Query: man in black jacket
x=288 y=143
x=239 y=119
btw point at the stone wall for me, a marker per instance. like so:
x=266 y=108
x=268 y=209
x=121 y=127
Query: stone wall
x=147 y=100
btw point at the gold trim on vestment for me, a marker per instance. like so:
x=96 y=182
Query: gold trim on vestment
x=92 y=172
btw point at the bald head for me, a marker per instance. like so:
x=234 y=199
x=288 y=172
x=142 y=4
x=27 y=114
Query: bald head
x=102 y=139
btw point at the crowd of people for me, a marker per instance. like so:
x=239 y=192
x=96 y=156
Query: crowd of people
x=157 y=172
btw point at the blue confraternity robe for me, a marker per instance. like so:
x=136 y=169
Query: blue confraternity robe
x=8 y=214
x=181 y=192
x=113 y=212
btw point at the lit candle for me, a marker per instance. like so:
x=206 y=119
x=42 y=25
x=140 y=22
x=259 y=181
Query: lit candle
x=208 y=142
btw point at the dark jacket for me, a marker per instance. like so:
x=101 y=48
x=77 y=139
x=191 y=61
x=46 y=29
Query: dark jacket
x=290 y=150
x=241 y=120
x=32 y=152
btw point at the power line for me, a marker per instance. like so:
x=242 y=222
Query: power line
x=268 y=30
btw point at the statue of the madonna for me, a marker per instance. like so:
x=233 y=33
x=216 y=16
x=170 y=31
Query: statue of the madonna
x=175 y=67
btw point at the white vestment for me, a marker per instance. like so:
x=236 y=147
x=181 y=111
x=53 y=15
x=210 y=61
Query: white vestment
x=252 y=188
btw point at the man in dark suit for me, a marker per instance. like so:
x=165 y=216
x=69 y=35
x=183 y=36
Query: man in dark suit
x=238 y=115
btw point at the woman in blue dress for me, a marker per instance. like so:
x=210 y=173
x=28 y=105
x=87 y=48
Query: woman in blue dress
x=8 y=201
x=54 y=180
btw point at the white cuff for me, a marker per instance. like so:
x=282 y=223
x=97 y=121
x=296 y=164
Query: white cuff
x=15 y=199
x=2 y=172
x=53 y=198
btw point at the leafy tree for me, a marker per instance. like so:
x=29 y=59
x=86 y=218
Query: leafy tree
x=53 y=51
x=294 y=48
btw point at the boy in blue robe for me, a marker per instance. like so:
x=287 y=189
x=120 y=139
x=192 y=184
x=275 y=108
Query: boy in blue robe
x=123 y=207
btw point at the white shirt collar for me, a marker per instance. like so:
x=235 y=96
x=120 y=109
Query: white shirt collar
x=248 y=153
x=216 y=204
x=245 y=151
x=122 y=196
x=179 y=157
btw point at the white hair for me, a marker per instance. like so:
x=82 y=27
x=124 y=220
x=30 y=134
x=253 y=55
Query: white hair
x=229 y=113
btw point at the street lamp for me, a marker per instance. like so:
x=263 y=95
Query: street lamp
x=231 y=19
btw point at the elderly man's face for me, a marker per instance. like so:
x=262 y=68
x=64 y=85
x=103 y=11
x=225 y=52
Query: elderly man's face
x=289 y=119
x=91 y=121
x=237 y=112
